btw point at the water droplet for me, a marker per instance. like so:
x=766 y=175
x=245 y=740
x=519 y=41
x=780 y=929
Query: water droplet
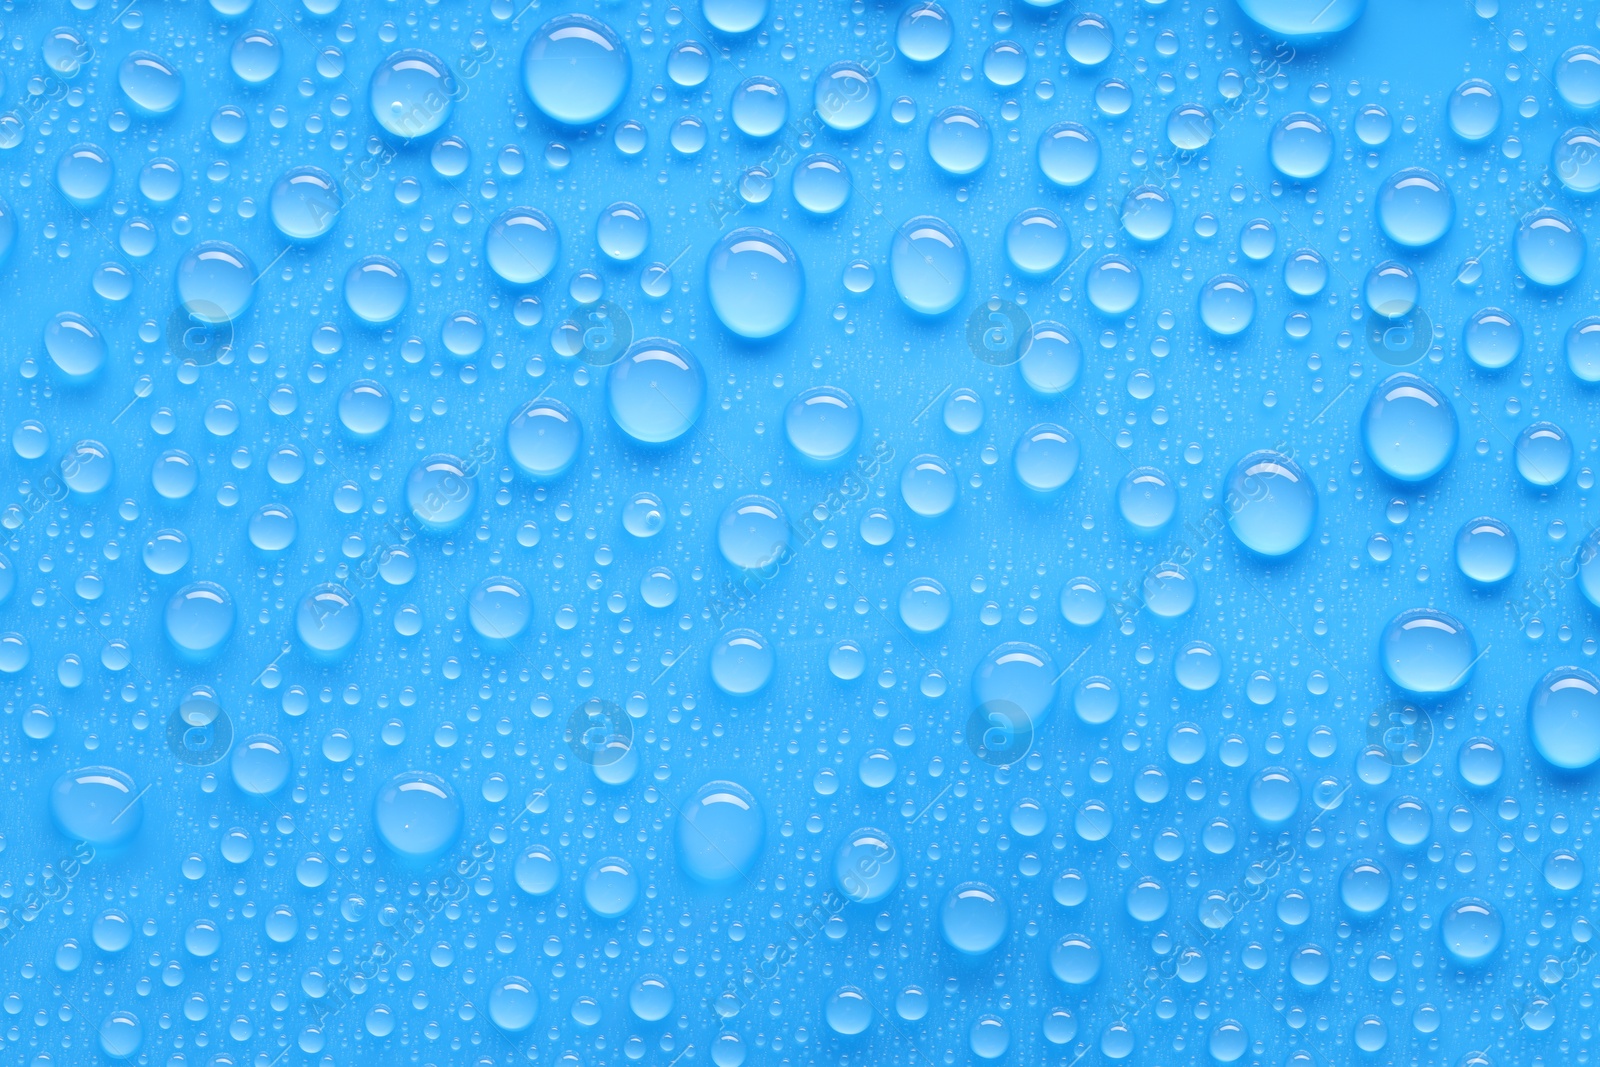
x=1307 y=19
x=99 y=805
x=821 y=184
x=759 y=106
x=1016 y=675
x=924 y=32
x=1271 y=503
x=260 y=764
x=305 y=203
x=1564 y=718
x=720 y=833
x=928 y=486
x=742 y=662
x=1493 y=338
x=958 y=141
x=1471 y=930
x=75 y=346
x=1046 y=457
x=1486 y=551
x=1415 y=207
x=417 y=814
x=867 y=866
x=1544 y=454
x=150 y=83
x=1227 y=305
x=1426 y=651
x=513 y=1004
x=1578 y=77
x=973 y=919
x=1068 y=154
x=544 y=438
x=755 y=282
x=846 y=95
x=1301 y=146
x=1474 y=110
x=823 y=424
x=1409 y=428
x=412 y=93
x=199 y=620
x=1549 y=248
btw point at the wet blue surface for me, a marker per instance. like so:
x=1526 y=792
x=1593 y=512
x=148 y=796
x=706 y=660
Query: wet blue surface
x=931 y=535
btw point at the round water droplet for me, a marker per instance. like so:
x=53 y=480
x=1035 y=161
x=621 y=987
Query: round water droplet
x=272 y=528
x=328 y=621
x=1089 y=40
x=1274 y=795
x=255 y=57
x=823 y=424
x=1036 y=241
x=1391 y=289
x=121 y=1035
x=1549 y=248
x=1190 y=127
x=1564 y=718
x=1486 y=551
x=1197 y=666
x=305 y=203
x=1493 y=339
x=544 y=438
x=1415 y=207
x=1563 y=871
x=1046 y=457
x=924 y=605
x=1227 y=305
x=759 y=106
x=689 y=64
x=537 y=871
x=928 y=264
x=216 y=282
x=1409 y=428
x=1426 y=651
x=1016 y=677
x=867 y=866
x=1148 y=214
x=99 y=805
x=958 y=141
x=1303 y=19
x=150 y=83
x=1052 y=359
x=199 y=620
x=513 y=1004
x=377 y=290
x=1083 y=603
x=1481 y=762
x=440 y=492
x=1364 y=887
x=755 y=282
x=1068 y=154
x=1474 y=110
x=1472 y=930
x=500 y=608
x=928 y=486
x=643 y=515
x=1578 y=77
x=924 y=32
x=1147 y=499
x=1576 y=160
x=365 y=408
x=412 y=93
x=1114 y=285
x=742 y=662
x=846 y=95
x=1301 y=146
x=821 y=184
x=83 y=174
x=417 y=814
x=623 y=232
x=734 y=16
x=654 y=393
x=260 y=765
x=522 y=245
x=720 y=833
x=963 y=412
x=848 y=1011
x=651 y=998
x=973 y=919
x=1544 y=454
x=753 y=533
x=75 y=346
x=1271 y=503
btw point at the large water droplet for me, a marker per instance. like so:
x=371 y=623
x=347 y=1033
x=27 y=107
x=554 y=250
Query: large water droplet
x=521 y=245
x=742 y=662
x=1409 y=428
x=1564 y=718
x=99 y=805
x=575 y=69
x=1227 y=305
x=1046 y=457
x=720 y=833
x=1472 y=930
x=1303 y=19
x=1426 y=651
x=417 y=814
x=1493 y=338
x=924 y=32
x=377 y=290
x=305 y=203
x=1271 y=503
x=150 y=83
x=958 y=141
x=1544 y=454
x=654 y=393
x=846 y=96
x=1301 y=146
x=928 y=264
x=1016 y=677
x=973 y=919
x=544 y=437
x=755 y=282
x=1068 y=154
x=199 y=620
x=412 y=93
x=75 y=346
x=866 y=866
x=1578 y=77
x=1549 y=248
x=1415 y=207
x=822 y=424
